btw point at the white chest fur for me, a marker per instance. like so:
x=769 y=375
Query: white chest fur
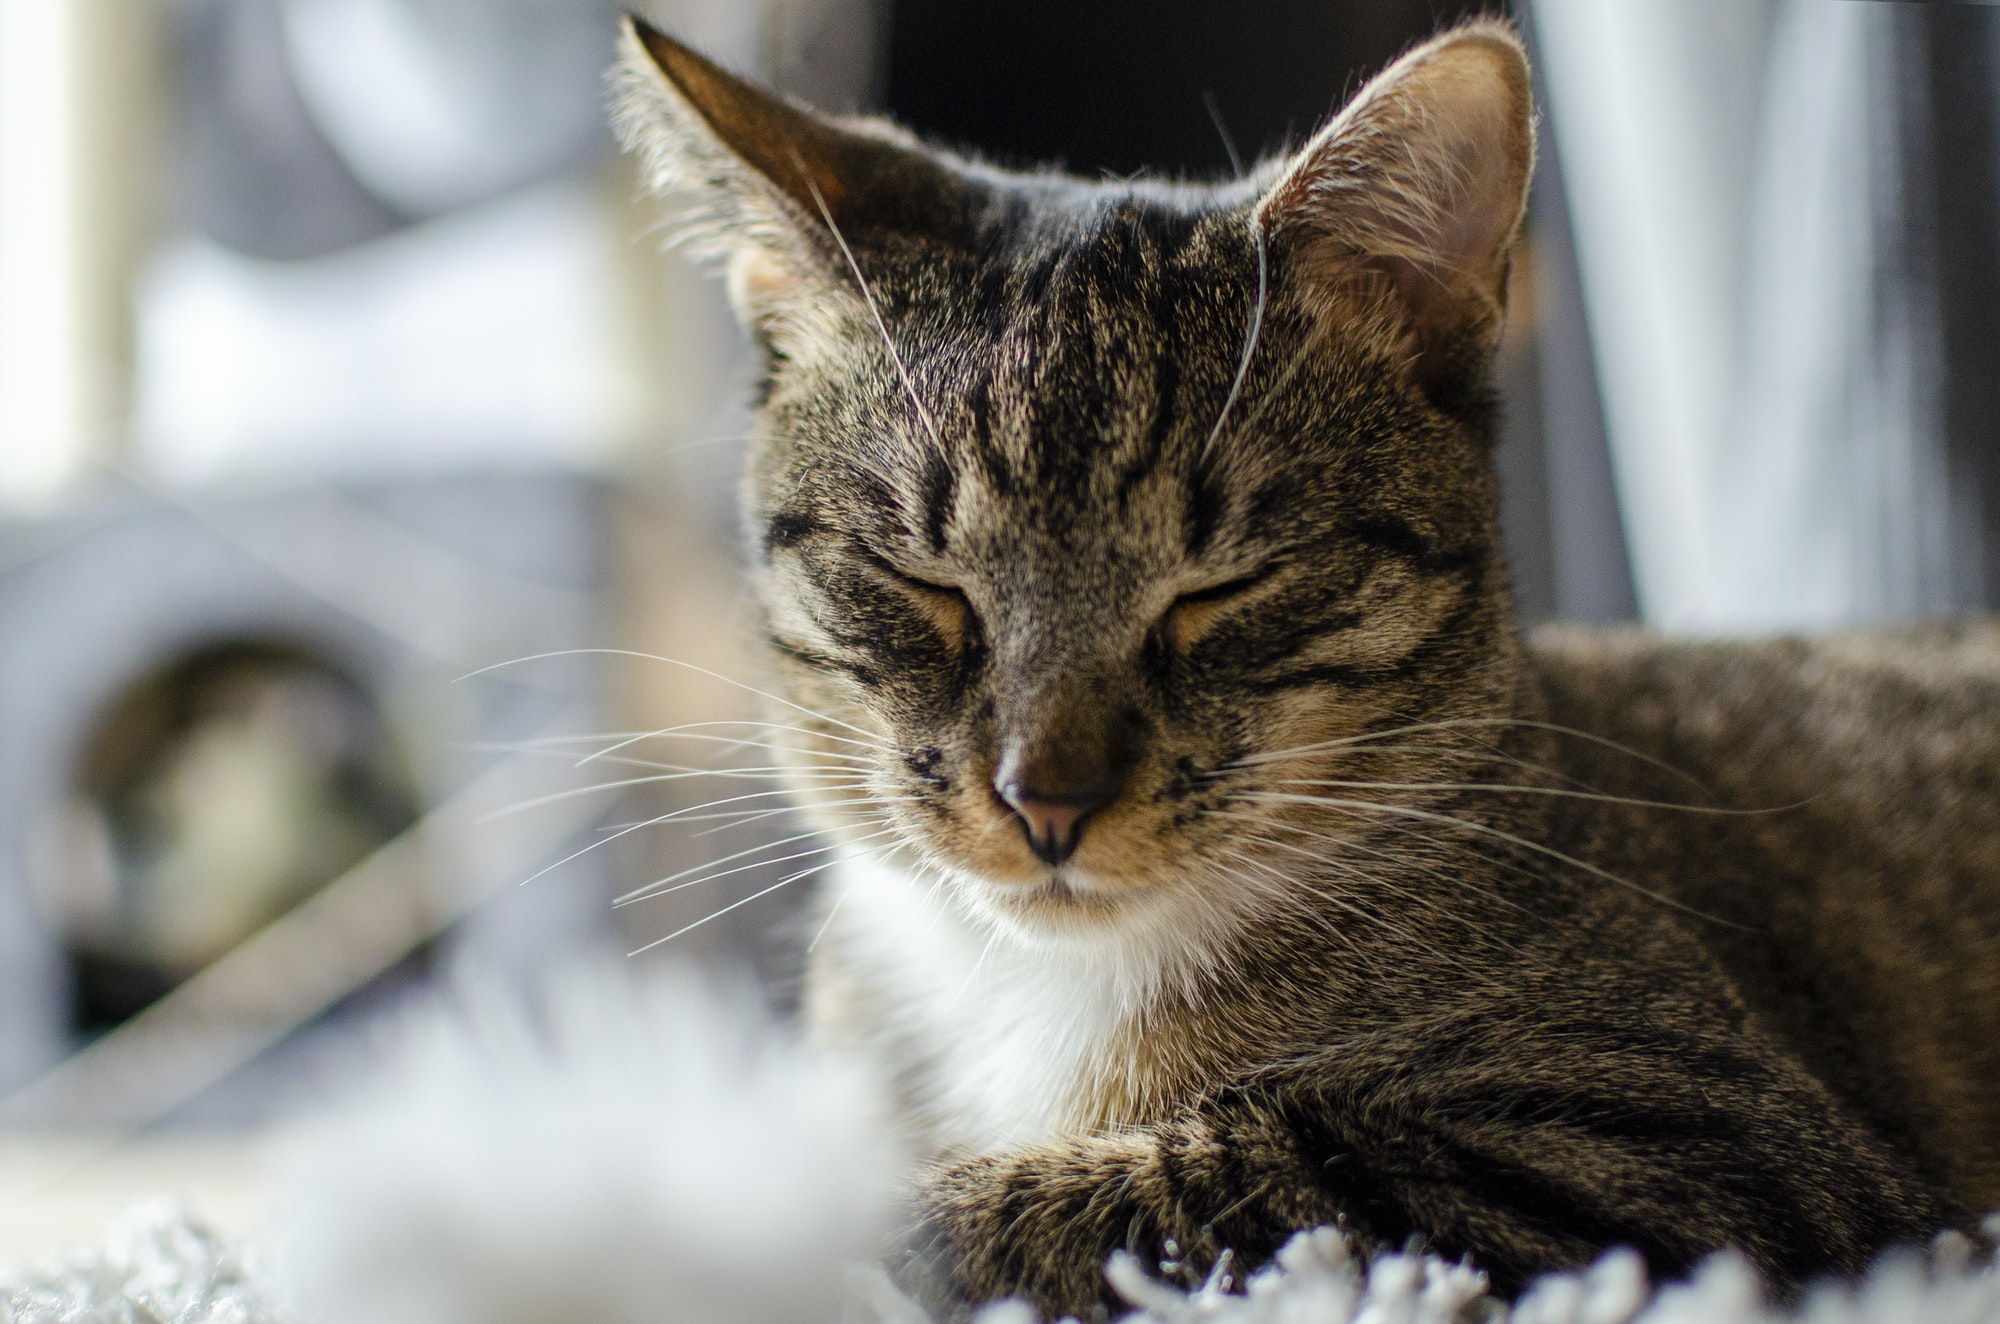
x=1008 y=1040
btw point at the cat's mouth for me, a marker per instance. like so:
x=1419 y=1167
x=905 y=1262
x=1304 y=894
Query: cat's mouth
x=1121 y=855
x=1054 y=900
x=1064 y=894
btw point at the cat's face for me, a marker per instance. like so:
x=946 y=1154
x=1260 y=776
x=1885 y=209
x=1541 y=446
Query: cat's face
x=1101 y=515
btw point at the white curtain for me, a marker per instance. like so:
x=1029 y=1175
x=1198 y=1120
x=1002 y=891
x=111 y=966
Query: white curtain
x=1767 y=363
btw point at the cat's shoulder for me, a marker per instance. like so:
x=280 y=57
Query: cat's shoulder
x=1967 y=647
x=1940 y=666
x=1899 y=720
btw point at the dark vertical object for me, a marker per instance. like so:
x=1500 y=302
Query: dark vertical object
x=1520 y=457
x=1521 y=461
x=1946 y=61
x=1593 y=570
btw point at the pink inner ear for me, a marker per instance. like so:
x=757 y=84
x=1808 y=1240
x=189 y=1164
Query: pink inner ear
x=1487 y=136
x=1423 y=179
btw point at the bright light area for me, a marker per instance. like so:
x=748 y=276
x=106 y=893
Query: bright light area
x=485 y=337
x=39 y=341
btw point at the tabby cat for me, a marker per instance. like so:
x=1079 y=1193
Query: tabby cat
x=1221 y=860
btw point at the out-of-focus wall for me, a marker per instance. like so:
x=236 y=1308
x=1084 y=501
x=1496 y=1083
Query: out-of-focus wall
x=339 y=363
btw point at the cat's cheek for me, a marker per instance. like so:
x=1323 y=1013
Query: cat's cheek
x=1300 y=730
x=1136 y=847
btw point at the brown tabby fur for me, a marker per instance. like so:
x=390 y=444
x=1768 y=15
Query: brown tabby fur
x=1173 y=505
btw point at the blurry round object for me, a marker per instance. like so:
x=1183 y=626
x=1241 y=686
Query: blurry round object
x=251 y=169
x=213 y=797
x=439 y=104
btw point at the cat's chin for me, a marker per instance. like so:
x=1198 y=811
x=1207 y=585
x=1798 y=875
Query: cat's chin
x=1058 y=902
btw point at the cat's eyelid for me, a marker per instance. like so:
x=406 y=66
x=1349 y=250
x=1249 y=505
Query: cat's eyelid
x=902 y=576
x=946 y=606
x=1228 y=588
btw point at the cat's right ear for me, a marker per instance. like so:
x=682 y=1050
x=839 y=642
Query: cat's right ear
x=780 y=193
x=1411 y=199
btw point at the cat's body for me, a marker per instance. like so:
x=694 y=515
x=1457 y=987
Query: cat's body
x=1129 y=560
x=1864 y=908
x=1871 y=752
x=1858 y=920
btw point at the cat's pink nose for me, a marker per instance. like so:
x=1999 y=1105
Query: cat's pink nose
x=1061 y=761
x=1054 y=823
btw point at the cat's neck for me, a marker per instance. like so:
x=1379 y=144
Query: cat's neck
x=1017 y=1035
x=1007 y=1036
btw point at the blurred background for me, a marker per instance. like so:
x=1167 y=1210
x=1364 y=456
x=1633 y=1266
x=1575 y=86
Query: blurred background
x=361 y=454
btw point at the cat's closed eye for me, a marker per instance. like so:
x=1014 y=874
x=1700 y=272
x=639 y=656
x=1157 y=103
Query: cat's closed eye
x=1193 y=613
x=945 y=606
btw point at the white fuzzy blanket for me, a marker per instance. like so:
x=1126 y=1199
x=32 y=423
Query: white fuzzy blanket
x=158 y=1267
x=661 y=1155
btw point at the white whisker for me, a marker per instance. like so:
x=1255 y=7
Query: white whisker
x=1346 y=843
x=1487 y=829
x=1462 y=724
x=673 y=816
x=1251 y=339
x=779 y=844
x=874 y=310
x=650 y=891
x=782 y=882
x=1519 y=789
x=660 y=885
x=827 y=923
x=695 y=729
x=681 y=774
x=868 y=737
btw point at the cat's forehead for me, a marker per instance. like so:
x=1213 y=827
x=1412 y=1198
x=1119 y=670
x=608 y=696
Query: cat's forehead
x=1100 y=388
x=1102 y=262
x=1071 y=374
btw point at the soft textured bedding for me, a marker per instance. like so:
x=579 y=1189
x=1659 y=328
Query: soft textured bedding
x=618 y=1152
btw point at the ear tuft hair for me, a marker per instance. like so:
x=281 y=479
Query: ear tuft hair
x=781 y=192
x=697 y=123
x=1420 y=185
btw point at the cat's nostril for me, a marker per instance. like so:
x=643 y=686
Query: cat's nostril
x=1054 y=823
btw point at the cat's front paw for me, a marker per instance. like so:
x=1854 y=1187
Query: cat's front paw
x=1036 y=1225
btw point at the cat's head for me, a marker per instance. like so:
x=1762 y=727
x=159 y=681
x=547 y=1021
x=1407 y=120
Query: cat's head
x=1091 y=517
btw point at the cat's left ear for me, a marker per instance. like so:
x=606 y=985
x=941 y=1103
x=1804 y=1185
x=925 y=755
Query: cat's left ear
x=1416 y=192
x=778 y=188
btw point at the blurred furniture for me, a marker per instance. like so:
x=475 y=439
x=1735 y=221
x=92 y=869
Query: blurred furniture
x=367 y=600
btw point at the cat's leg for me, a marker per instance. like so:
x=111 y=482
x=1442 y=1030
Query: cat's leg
x=1526 y=1185
x=1039 y=1223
